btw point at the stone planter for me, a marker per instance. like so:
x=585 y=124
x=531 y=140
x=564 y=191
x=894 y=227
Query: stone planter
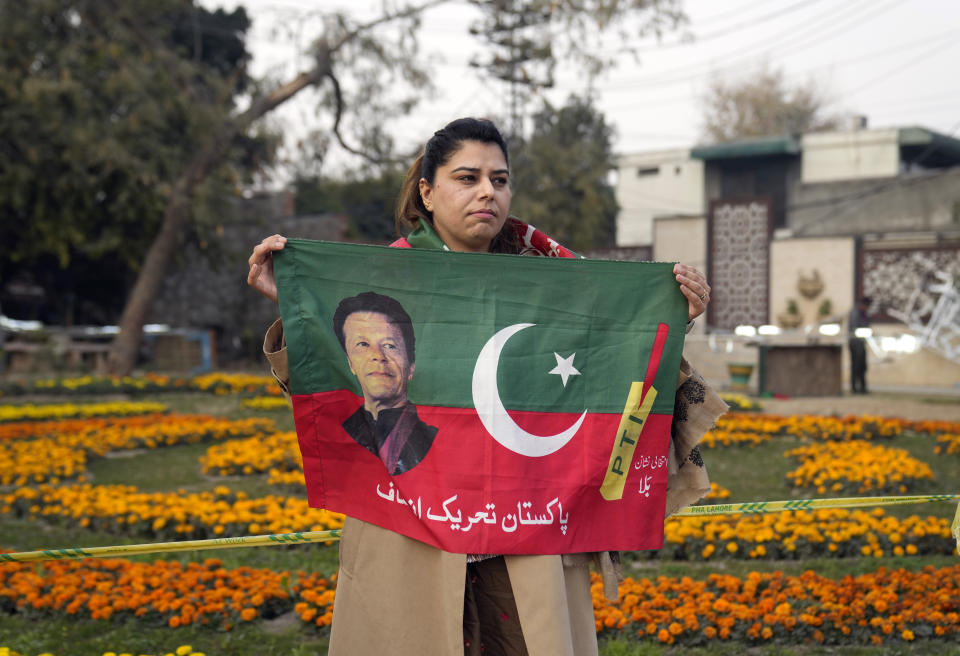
x=740 y=374
x=790 y=320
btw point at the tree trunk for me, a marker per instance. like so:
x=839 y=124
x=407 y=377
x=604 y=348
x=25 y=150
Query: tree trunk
x=123 y=352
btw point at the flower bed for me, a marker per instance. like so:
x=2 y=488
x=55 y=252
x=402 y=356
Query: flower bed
x=182 y=650
x=717 y=492
x=291 y=480
x=23 y=463
x=30 y=412
x=881 y=607
x=216 y=383
x=266 y=403
x=856 y=467
x=802 y=534
x=947 y=444
x=254 y=455
x=933 y=426
x=735 y=429
x=222 y=513
x=122 y=509
x=740 y=402
x=35 y=452
x=100 y=436
x=166 y=593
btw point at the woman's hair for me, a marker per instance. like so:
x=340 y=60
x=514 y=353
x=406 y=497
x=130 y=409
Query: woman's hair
x=438 y=151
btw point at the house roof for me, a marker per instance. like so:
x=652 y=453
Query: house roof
x=756 y=147
x=928 y=147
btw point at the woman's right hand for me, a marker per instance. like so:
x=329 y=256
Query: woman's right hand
x=261 y=266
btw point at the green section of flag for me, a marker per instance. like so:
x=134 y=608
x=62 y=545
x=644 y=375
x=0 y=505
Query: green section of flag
x=606 y=313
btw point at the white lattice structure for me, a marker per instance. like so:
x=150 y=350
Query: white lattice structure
x=936 y=322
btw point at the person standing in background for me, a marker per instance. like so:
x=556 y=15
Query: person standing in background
x=858 y=345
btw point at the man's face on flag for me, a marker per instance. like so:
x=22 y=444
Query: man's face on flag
x=377 y=356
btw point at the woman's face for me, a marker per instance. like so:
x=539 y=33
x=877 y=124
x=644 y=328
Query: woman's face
x=469 y=197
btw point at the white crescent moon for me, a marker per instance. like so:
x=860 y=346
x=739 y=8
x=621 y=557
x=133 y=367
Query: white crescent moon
x=486 y=399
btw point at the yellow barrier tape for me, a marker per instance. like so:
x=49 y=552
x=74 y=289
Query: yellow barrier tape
x=329 y=536
x=808 y=504
x=167 y=547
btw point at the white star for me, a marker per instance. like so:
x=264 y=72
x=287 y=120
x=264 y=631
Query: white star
x=565 y=368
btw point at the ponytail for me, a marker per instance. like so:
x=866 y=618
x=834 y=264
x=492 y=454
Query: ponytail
x=410 y=208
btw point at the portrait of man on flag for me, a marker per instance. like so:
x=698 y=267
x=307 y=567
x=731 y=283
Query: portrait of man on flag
x=377 y=336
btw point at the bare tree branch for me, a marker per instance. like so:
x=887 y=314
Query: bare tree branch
x=409 y=12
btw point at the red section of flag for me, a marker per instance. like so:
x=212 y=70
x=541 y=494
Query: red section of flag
x=656 y=354
x=550 y=504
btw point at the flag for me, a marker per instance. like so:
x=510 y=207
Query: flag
x=484 y=403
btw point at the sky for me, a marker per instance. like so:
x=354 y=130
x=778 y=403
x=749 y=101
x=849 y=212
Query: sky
x=892 y=61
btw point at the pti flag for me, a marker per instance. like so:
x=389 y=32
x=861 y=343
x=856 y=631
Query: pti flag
x=484 y=403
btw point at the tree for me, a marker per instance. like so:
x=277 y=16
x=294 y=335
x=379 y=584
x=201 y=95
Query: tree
x=367 y=72
x=525 y=38
x=560 y=175
x=763 y=104
x=93 y=133
x=369 y=202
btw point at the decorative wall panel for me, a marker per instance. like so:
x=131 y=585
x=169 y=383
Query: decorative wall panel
x=898 y=280
x=739 y=256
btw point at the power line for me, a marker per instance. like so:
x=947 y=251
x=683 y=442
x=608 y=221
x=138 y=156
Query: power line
x=886 y=52
x=737 y=27
x=949 y=44
x=801 y=42
x=737 y=11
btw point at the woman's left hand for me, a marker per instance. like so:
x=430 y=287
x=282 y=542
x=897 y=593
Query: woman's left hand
x=694 y=286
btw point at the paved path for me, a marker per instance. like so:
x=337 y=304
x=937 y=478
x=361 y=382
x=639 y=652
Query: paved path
x=884 y=404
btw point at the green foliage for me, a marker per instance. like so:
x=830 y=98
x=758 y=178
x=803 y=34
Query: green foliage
x=101 y=107
x=29 y=636
x=560 y=175
x=369 y=203
x=526 y=38
x=523 y=40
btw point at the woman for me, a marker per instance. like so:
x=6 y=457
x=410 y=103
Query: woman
x=399 y=596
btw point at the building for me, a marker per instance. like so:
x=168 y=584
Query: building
x=792 y=229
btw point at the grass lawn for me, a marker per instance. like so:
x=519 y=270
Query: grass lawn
x=751 y=474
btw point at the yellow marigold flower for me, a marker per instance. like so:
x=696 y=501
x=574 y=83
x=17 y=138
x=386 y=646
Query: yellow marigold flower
x=183 y=650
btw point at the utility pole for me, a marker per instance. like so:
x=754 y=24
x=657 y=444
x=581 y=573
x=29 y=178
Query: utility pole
x=523 y=56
